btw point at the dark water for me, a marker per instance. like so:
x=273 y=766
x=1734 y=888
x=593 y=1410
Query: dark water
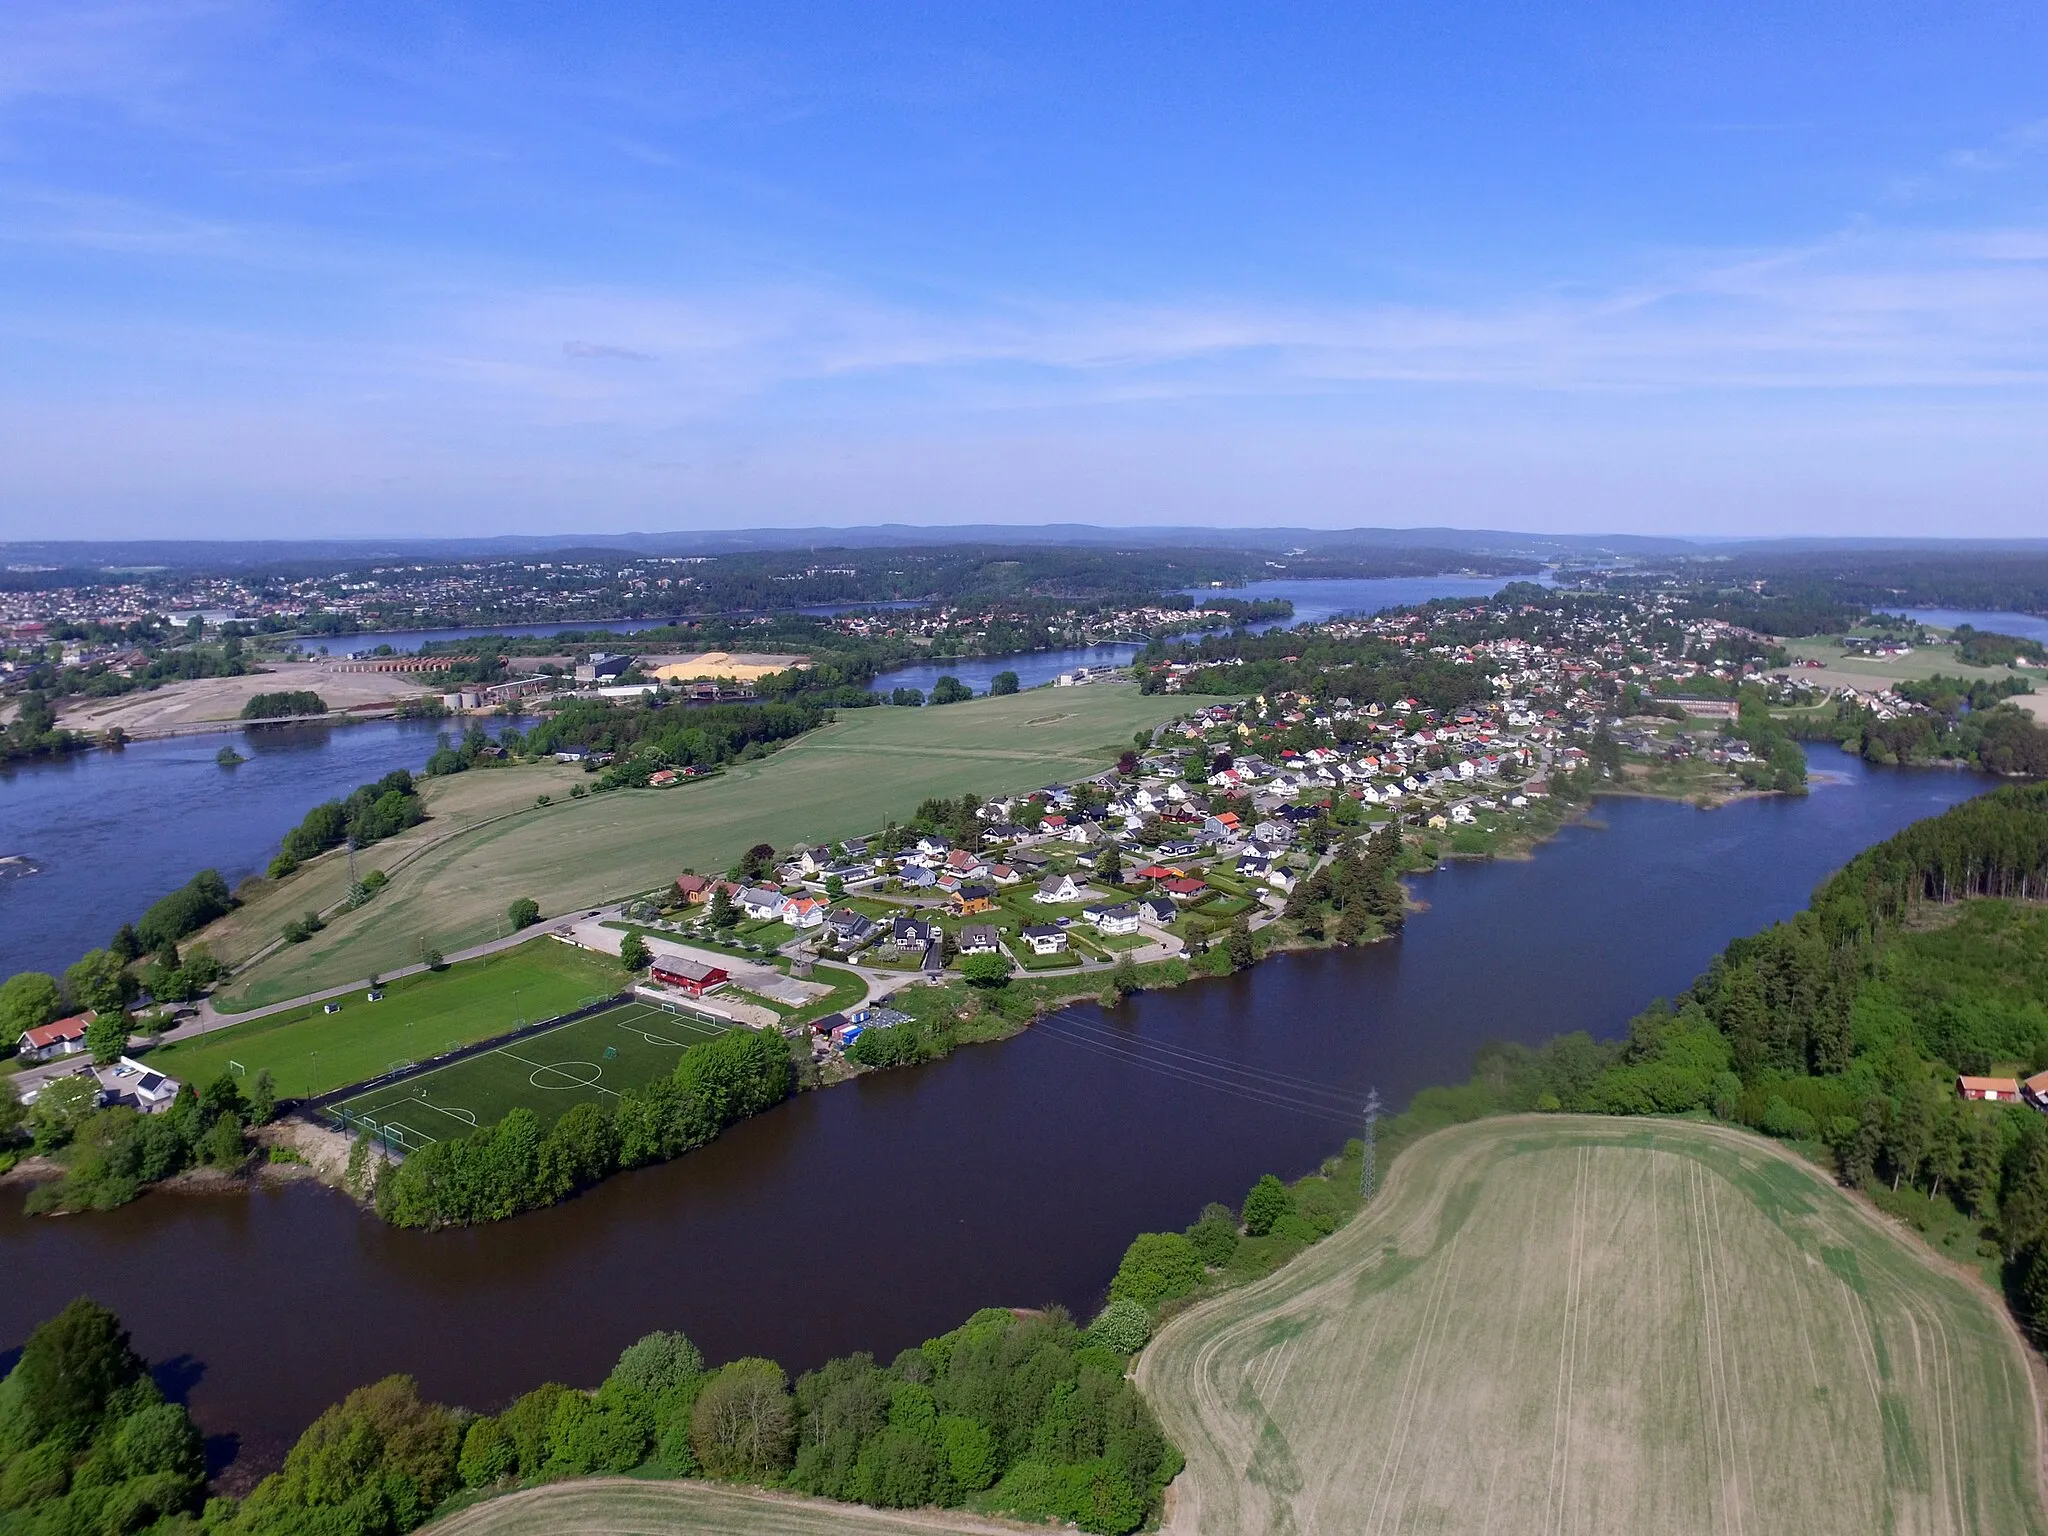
x=113 y=831
x=2030 y=626
x=1318 y=599
x=876 y=1214
x=1031 y=667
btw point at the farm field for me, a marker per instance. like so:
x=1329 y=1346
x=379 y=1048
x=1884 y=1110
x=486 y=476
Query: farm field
x=846 y=778
x=1590 y=1325
x=309 y=1051
x=1873 y=674
x=625 y=1506
x=586 y=1059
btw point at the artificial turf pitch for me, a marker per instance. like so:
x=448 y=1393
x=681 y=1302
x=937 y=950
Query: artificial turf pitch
x=591 y=1058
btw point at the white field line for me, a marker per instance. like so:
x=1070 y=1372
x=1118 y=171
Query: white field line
x=1721 y=1457
x=1509 y=1373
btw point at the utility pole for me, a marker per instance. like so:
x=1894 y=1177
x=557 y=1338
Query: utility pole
x=1368 y=1174
x=352 y=881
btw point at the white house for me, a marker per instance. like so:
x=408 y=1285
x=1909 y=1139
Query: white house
x=1112 y=920
x=760 y=901
x=1055 y=889
x=129 y=1082
x=1045 y=939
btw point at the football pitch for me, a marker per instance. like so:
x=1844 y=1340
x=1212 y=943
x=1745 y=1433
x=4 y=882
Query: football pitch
x=591 y=1058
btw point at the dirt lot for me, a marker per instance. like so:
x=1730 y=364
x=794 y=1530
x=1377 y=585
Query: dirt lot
x=219 y=700
x=1576 y=1324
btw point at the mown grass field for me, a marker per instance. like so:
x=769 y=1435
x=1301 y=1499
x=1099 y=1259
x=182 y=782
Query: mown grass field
x=621 y=1506
x=1873 y=673
x=451 y=880
x=595 y=1059
x=1587 y=1325
x=309 y=1051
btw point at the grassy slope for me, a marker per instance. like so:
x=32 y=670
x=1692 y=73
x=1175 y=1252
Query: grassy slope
x=847 y=778
x=627 y=1507
x=308 y=1051
x=1602 y=1325
x=1876 y=672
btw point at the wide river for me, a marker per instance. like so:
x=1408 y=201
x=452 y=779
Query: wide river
x=873 y=1215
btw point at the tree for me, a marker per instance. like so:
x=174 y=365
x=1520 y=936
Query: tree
x=634 y=954
x=107 y=1037
x=1002 y=683
x=1266 y=1204
x=1123 y=976
x=1157 y=1267
x=950 y=690
x=97 y=980
x=1111 y=864
x=523 y=913
x=262 y=1098
x=743 y=1424
x=1239 y=944
x=27 y=999
x=68 y=1370
x=986 y=970
x=723 y=913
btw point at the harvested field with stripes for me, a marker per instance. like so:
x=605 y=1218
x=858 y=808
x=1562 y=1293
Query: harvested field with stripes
x=1567 y=1324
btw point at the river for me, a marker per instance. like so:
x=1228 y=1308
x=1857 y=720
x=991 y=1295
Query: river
x=878 y=1213
x=111 y=831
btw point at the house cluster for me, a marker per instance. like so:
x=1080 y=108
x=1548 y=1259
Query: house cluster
x=124 y=1082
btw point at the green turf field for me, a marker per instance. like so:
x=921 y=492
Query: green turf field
x=1565 y=1323
x=593 y=1058
x=449 y=886
x=309 y=1051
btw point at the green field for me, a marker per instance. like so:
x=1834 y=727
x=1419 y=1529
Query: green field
x=626 y=1506
x=1589 y=1325
x=1857 y=670
x=450 y=884
x=309 y=1051
x=593 y=1058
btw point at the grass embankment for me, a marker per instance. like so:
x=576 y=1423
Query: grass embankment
x=308 y=1051
x=1602 y=1325
x=842 y=780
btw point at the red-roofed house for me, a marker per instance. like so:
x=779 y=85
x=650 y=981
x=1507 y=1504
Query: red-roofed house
x=66 y=1037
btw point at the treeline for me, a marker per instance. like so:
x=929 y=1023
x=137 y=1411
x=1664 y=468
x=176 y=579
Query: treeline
x=1967 y=723
x=1322 y=666
x=274 y=706
x=33 y=732
x=517 y=1166
x=371 y=813
x=1780 y=765
x=646 y=739
x=1988 y=648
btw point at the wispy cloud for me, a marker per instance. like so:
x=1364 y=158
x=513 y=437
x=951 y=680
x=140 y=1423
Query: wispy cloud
x=591 y=349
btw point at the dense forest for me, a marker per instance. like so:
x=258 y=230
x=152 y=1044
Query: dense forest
x=2012 y=580
x=647 y=739
x=1844 y=1028
x=1322 y=666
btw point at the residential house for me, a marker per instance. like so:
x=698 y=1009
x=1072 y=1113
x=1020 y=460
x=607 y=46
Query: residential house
x=980 y=939
x=932 y=847
x=2003 y=1090
x=693 y=890
x=1028 y=861
x=1045 y=939
x=1055 y=889
x=761 y=901
x=972 y=899
x=132 y=1085
x=909 y=932
x=1112 y=920
x=46 y=1042
x=966 y=865
x=1004 y=874
x=917 y=877
x=804 y=912
x=1183 y=889
x=848 y=927
x=1157 y=909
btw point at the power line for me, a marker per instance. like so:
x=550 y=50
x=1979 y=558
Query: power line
x=1252 y=1093
x=1368 y=1173
x=1200 y=1061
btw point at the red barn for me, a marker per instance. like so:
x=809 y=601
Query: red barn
x=689 y=976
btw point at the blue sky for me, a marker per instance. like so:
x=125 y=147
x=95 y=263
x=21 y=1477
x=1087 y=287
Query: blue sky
x=272 y=269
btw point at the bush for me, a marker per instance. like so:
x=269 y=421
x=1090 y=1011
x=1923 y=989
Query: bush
x=1122 y=1326
x=985 y=970
x=1215 y=1236
x=1157 y=1267
x=1266 y=1204
x=524 y=912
